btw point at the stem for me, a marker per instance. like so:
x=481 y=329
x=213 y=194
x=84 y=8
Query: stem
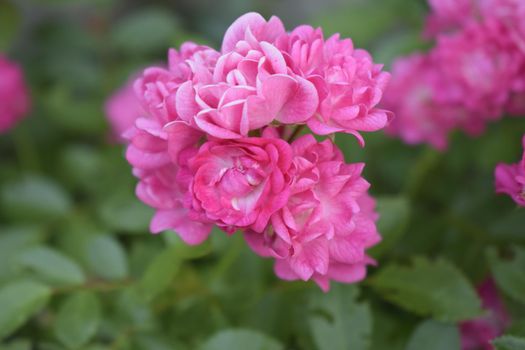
x=99 y=286
x=228 y=259
x=25 y=150
x=296 y=132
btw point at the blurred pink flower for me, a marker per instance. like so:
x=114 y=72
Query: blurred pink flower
x=475 y=74
x=123 y=109
x=480 y=65
x=477 y=334
x=328 y=223
x=413 y=96
x=240 y=183
x=510 y=179
x=348 y=83
x=14 y=96
x=448 y=15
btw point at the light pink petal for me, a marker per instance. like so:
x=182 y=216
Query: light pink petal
x=236 y=32
x=185 y=103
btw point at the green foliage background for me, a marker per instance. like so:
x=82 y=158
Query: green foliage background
x=79 y=270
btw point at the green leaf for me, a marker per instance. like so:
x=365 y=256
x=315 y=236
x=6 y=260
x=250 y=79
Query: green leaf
x=18 y=302
x=20 y=344
x=34 y=198
x=145 y=31
x=51 y=265
x=159 y=274
x=432 y=335
x=429 y=288
x=126 y=213
x=394 y=214
x=9 y=23
x=106 y=257
x=509 y=342
x=12 y=241
x=509 y=274
x=338 y=321
x=78 y=319
x=80 y=164
x=241 y=339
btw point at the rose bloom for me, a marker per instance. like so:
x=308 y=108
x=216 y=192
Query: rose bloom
x=265 y=74
x=349 y=84
x=510 y=179
x=328 y=222
x=240 y=183
x=480 y=64
x=250 y=86
x=123 y=109
x=155 y=161
x=413 y=96
x=14 y=97
x=477 y=334
x=448 y=15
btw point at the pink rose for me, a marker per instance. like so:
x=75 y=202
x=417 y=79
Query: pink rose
x=448 y=15
x=251 y=84
x=480 y=64
x=348 y=83
x=413 y=96
x=14 y=97
x=510 y=179
x=477 y=334
x=240 y=183
x=328 y=222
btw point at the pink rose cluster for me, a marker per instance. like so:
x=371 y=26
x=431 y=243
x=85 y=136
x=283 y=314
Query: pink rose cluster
x=510 y=179
x=216 y=144
x=477 y=334
x=473 y=75
x=14 y=96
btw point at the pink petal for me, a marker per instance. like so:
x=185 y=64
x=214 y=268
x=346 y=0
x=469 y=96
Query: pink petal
x=236 y=32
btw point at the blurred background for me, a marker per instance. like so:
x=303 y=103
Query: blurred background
x=78 y=267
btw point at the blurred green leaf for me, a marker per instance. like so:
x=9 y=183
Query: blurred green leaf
x=34 y=198
x=18 y=302
x=160 y=273
x=51 y=265
x=106 y=257
x=432 y=335
x=145 y=31
x=241 y=339
x=126 y=213
x=17 y=345
x=77 y=320
x=509 y=342
x=80 y=165
x=12 y=241
x=509 y=273
x=9 y=23
x=338 y=321
x=429 y=288
x=394 y=214
x=78 y=114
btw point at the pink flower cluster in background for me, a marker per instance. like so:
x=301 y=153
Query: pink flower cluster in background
x=473 y=75
x=14 y=97
x=510 y=179
x=477 y=334
x=216 y=144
